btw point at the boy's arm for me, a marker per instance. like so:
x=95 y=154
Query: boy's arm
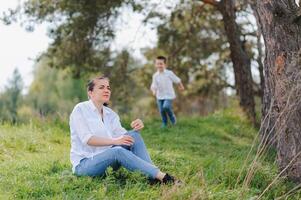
x=154 y=92
x=153 y=87
x=181 y=86
x=177 y=80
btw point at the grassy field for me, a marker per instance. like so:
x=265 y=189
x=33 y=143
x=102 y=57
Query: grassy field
x=206 y=153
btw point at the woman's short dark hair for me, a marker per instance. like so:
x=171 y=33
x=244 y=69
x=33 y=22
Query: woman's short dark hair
x=91 y=84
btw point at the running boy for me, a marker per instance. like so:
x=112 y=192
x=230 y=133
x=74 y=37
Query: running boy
x=162 y=88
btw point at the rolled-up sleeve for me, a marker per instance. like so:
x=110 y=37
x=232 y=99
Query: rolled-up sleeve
x=174 y=77
x=79 y=126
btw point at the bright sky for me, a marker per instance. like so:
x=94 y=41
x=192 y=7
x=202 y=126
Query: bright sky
x=19 y=48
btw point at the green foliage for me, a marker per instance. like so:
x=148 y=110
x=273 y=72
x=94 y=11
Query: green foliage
x=11 y=98
x=205 y=153
x=193 y=40
x=196 y=47
x=81 y=30
x=54 y=91
x=124 y=83
x=192 y=37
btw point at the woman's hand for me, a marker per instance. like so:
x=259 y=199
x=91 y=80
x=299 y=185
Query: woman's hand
x=137 y=124
x=124 y=140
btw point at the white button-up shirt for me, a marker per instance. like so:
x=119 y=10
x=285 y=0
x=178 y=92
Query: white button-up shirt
x=85 y=122
x=162 y=83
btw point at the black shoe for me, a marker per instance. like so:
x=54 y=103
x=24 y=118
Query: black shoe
x=154 y=181
x=167 y=179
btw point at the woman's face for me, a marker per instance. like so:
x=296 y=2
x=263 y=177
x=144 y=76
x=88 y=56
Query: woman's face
x=101 y=92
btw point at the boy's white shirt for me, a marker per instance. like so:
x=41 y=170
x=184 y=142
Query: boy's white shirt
x=162 y=84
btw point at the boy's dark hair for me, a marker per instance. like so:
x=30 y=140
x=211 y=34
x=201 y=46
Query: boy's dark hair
x=162 y=58
x=91 y=84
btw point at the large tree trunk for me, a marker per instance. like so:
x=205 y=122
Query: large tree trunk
x=267 y=133
x=240 y=59
x=281 y=30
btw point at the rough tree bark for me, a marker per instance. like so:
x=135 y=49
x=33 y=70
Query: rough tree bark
x=280 y=26
x=240 y=59
x=267 y=133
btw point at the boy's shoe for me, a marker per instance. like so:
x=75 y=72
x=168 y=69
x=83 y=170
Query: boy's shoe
x=175 y=120
x=163 y=126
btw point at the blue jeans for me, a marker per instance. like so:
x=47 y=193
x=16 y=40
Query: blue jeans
x=165 y=109
x=135 y=159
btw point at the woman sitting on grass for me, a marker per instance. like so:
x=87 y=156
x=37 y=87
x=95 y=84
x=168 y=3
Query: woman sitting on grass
x=98 y=140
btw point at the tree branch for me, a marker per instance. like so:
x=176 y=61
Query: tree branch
x=211 y=2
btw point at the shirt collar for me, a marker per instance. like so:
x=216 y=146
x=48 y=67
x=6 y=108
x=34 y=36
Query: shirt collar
x=105 y=110
x=91 y=105
x=94 y=108
x=164 y=70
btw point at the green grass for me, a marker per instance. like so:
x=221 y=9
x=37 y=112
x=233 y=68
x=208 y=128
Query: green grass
x=206 y=153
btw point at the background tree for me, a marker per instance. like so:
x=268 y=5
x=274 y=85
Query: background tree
x=193 y=37
x=54 y=91
x=239 y=56
x=192 y=42
x=195 y=41
x=125 y=88
x=11 y=98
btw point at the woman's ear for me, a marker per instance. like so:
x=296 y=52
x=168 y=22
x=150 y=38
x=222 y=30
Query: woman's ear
x=89 y=94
